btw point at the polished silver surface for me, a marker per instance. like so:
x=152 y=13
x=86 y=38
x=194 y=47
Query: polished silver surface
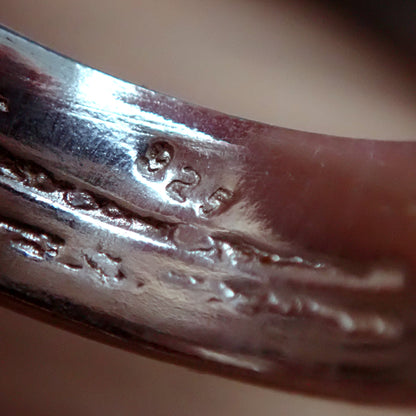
x=202 y=236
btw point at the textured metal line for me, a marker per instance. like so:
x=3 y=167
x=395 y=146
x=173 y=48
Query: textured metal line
x=248 y=250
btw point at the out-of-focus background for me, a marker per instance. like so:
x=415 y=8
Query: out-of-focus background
x=298 y=64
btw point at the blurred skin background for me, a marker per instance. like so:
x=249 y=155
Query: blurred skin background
x=298 y=64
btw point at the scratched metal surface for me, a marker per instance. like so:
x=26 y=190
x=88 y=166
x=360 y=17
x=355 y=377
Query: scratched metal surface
x=130 y=211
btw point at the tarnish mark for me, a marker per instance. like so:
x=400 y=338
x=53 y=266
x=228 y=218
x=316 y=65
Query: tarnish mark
x=180 y=189
x=4 y=104
x=216 y=202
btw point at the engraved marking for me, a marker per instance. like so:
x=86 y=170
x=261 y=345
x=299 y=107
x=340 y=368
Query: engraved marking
x=244 y=287
x=105 y=266
x=72 y=266
x=26 y=172
x=114 y=259
x=31 y=242
x=34 y=176
x=228 y=249
x=41 y=181
x=191 y=237
x=252 y=298
x=241 y=297
x=226 y=291
x=7 y=171
x=231 y=251
x=374 y=280
x=4 y=104
x=157 y=157
x=180 y=189
x=181 y=279
x=214 y=300
x=120 y=275
x=354 y=322
x=28 y=249
x=216 y=201
x=247 y=253
x=81 y=200
x=113 y=211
